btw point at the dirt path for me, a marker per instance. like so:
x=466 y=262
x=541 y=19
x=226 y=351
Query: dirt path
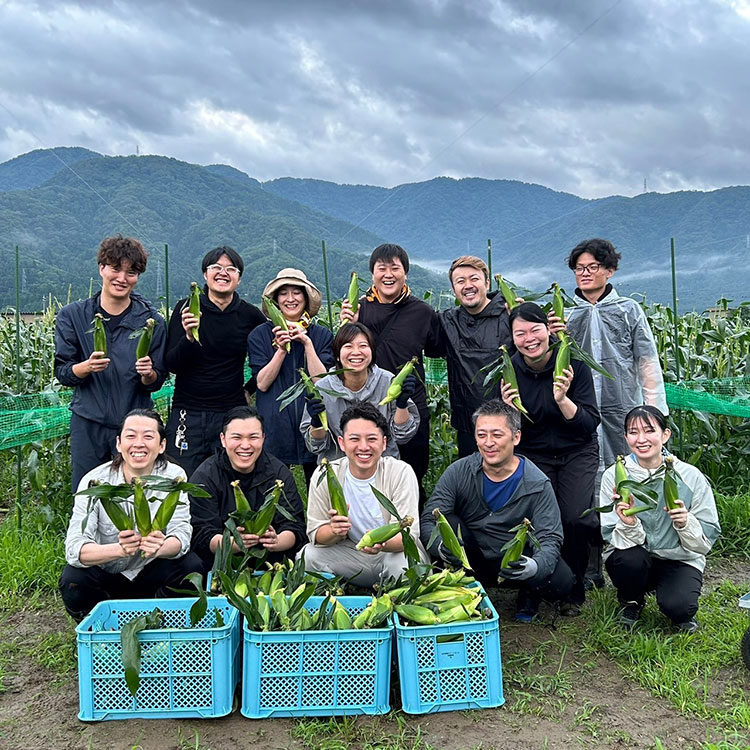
x=557 y=696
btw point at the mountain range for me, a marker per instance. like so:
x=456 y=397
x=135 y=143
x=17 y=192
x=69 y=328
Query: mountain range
x=57 y=204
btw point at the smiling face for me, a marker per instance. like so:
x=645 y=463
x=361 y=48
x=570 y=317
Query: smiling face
x=363 y=443
x=495 y=441
x=470 y=287
x=388 y=278
x=291 y=301
x=140 y=444
x=118 y=283
x=645 y=440
x=243 y=441
x=531 y=340
x=356 y=354
x=591 y=276
x=222 y=277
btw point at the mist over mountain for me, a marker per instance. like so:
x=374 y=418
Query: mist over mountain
x=57 y=205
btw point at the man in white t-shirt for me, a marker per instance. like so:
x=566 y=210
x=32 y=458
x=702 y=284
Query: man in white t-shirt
x=333 y=538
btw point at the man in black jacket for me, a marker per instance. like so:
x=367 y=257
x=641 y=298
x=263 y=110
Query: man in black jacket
x=490 y=493
x=244 y=459
x=210 y=374
x=404 y=327
x=107 y=384
x=470 y=335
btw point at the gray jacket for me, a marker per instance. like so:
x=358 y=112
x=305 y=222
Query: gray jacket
x=373 y=392
x=459 y=492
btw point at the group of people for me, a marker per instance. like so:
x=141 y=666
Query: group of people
x=546 y=466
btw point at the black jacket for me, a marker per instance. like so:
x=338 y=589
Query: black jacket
x=469 y=342
x=210 y=375
x=208 y=514
x=414 y=330
x=459 y=492
x=106 y=397
x=549 y=433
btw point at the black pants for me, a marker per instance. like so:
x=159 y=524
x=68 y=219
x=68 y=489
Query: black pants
x=416 y=453
x=91 y=444
x=573 y=478
x=83 y=588
x=202 y=430
x=634 y=572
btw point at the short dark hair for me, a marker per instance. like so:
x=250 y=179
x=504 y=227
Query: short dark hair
x=389 y=251
x=368 y=411
x=348 y=332
x=114 y=250
x=603 y=250
x=649 y=414
x=161 y=459
x=495 y=407
x=241 y=412
x=212 y=256
x=528 y=311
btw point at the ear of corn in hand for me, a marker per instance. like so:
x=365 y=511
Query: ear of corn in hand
x=277 y=319
x=353 y=293
x=509 y=376
x=335 y=490
x=562 y=360
x=671 y=491
x=517 y=544
x=313 y=391
x=383 y=533
x=449 y=538
x=194 y=305
x=144 y=341
x=394 y=389
x=100 y=334
x=508 y=294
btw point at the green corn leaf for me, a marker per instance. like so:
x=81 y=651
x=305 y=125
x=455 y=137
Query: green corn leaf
x=131 y=646
x=386 y=503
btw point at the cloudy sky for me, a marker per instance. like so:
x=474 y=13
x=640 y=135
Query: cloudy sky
x=586 y=96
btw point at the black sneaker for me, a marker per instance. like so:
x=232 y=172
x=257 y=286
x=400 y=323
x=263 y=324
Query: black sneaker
x=527 y=606
x=570 y=609
x=689 y=626
x=630 y=614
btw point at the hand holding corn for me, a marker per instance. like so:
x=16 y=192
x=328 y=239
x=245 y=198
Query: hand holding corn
x=340 y=525
x=190 y=322
x=408 y=387
x=130 y=542
x=347 y=314
x=521 y=569
x=145 y=368
x=315 y=408
x=97 y=362
x=562 y=384
x=152 y=543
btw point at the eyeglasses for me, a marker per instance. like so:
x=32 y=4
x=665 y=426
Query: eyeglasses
x=591 y=268
x=217 y=268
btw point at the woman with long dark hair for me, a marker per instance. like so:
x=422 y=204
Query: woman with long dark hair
x=105 y=563
x=560 y=434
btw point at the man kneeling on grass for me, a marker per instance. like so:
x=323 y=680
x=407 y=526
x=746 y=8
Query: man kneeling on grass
x=333 y=537
x=488 y=494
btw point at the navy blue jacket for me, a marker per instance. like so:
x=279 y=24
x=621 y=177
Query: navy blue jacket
x=283 y=437
x=106 y=397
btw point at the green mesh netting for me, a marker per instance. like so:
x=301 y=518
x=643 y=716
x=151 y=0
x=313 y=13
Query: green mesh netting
x=729 y=396
x=39 y=416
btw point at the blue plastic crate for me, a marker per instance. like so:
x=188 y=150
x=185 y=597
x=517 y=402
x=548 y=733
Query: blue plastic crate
x=450 y=667
x=317 y=673
x=185 y=672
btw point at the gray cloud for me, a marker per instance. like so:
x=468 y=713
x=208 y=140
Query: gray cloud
x=391 y=92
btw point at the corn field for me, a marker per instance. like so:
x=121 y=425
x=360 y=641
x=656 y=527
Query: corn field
x=707 y=349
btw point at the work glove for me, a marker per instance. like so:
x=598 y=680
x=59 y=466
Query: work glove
x=520 y=570
x=408 y=387
x=447 y=556
x=315 y=407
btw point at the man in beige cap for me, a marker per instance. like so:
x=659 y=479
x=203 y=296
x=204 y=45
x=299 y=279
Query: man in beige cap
x=210 y=374
x=276 y=369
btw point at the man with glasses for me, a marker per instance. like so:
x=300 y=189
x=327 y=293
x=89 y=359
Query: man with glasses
x=210 y=374
x=615 y=331
x=107 y=385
